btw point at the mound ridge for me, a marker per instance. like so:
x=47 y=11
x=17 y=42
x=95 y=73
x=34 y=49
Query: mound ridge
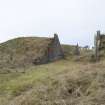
x=21 y=50
x=25 y=51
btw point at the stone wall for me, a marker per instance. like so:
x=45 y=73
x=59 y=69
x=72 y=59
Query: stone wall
x=99 y=45
x=52 y=53
x=55 y=51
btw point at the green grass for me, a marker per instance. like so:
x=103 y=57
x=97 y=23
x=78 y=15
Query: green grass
x=13 y=84
x=59 y=83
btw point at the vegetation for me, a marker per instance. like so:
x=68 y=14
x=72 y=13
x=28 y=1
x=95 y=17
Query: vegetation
x=70 y=81
x=63 y=82
x=20 y=52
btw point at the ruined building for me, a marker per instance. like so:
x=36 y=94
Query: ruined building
x=52 y=52
x=30 y=50
x=99 y=45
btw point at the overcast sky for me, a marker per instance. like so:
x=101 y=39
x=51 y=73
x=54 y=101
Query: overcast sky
x=73 y=20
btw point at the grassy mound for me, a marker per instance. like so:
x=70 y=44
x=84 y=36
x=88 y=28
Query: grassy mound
x=22 y=51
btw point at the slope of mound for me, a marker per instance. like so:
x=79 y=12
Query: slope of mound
x=22 y=50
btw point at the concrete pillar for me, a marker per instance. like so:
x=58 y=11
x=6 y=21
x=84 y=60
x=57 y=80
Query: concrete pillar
x=97 y=43
x=77 y=51
x=98 y=33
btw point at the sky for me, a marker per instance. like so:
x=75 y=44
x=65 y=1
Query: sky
x=75 y=21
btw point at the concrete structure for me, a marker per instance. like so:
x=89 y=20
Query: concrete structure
x=54 y=49
x=77 y=50
x=52 y=52
x=25 y=51
x=99 y=45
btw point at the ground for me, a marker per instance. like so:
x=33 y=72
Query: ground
x=64 y=82
x=74 y=80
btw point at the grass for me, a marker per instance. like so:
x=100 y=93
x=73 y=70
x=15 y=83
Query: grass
x=22 y=51
x=14 y=84
x=63 y=82
x=71 y=81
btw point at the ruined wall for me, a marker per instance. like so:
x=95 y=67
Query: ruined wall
x=99 y=45
x=102 y=42
x=52 y=53
x=55 y=51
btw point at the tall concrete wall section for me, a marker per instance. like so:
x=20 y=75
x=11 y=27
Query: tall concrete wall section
x=52 y=53
x=99 y=45
x=55 y=49
x=77 y=50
